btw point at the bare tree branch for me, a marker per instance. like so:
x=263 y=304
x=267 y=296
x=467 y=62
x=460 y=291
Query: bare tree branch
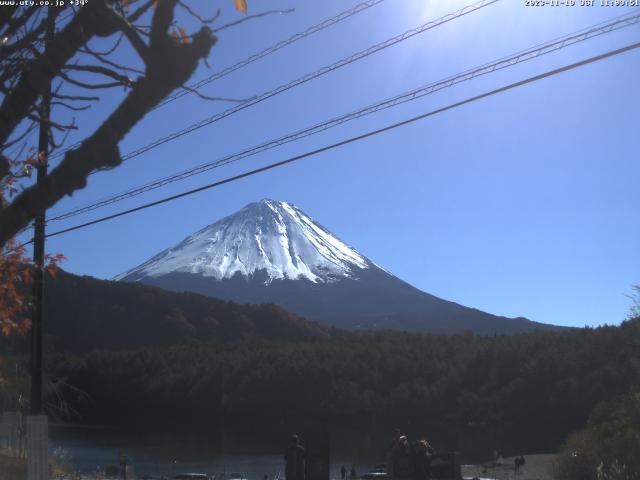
x=90 y=86
x=162 y=19
x=20 y=151
x=134 y=38
x=88 y=22
x=197 y=16
x=5 y=166
x=103 y=59
x=70 y=107
x=169 y=65
x=14 y=24
x=75 y=97
x=20 y=43
x=54 y=144
x=6 y=15
x=109 y=51
x=20 y=137
x=107 y=72
x=140 y=11
x=58 y=126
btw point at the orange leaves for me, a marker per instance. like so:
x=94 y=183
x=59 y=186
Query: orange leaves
x=27 y=276
x=32 y=161
x=16 y=268
x=180 y=36
x=13 y=305
x=241 y=5
x=16 y=273
x=52 y=270
x=6 y=329
x=19 y=168
x=52 y=264
x=183 y=35
x=23 y=327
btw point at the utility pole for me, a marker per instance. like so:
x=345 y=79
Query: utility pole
x=38 y=239
x=38 y=260
x=37 y=424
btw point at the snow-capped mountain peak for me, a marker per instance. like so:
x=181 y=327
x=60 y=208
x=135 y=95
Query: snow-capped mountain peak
x=270 y=236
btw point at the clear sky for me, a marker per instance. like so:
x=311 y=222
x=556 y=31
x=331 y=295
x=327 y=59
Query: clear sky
x=522 y=204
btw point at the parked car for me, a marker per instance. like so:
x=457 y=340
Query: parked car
x=232 y=476
x=193 y=476
x=379 y=472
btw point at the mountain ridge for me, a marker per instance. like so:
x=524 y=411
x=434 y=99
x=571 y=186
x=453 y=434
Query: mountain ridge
x=267 y=235
x=86 y=313
x=272 y=252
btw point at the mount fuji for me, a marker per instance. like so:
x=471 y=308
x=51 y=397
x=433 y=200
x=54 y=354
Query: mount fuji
x=272 y=252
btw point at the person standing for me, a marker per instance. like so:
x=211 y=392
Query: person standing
x=294 y=460
x=393 y=448
x=422 y=460
x=403 y=461
x=395 y=441
x=353 y=475
x=343 y=473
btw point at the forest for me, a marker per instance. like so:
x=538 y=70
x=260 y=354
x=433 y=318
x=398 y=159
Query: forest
x=526 y=392
x=140 y=357
x=85 y=313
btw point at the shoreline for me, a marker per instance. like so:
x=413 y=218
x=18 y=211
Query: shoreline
x=536 y=467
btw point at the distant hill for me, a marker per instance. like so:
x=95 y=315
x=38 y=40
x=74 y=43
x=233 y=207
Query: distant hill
x=271 y=251
x=84 y=313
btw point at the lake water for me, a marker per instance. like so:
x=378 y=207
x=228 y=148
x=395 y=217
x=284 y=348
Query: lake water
x=89 y=450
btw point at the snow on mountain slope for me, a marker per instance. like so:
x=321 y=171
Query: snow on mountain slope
x=272 y=252
x=275 y=237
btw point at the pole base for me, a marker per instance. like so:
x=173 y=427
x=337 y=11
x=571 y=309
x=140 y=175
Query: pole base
x=37 y=447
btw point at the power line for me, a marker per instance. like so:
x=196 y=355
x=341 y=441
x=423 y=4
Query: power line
x=257 y=56
x=313 y=75
x=505 y=62
x=310 y=76
x=371 y=133
x=274 y=48
x=306 y=78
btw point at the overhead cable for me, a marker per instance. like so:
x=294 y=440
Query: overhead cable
x=505 y=62
x=354 y=139
x=272 y=49
x=304 y=79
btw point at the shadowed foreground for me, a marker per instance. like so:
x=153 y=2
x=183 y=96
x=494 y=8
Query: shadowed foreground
x=537 y=467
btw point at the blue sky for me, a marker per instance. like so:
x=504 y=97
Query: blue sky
x=522 y=204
